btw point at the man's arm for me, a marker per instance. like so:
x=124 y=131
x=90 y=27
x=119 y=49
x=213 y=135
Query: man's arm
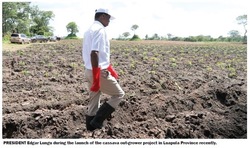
x=94 y=59
x=95 y=71
x=94 y=55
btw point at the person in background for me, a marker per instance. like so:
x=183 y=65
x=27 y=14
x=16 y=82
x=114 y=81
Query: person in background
x=100 y=75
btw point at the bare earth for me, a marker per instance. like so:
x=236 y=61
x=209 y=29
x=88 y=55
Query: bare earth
x=173 y=90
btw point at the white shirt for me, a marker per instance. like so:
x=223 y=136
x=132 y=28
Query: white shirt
x=95 y=38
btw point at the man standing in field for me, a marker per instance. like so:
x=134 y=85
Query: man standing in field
x=99 y=73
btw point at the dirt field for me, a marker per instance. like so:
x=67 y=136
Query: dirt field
x=14 y=47
x=173 y=90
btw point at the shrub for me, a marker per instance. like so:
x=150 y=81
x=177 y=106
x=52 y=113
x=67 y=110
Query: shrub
x=135 y=38
x=6 y=37
x=71 y=36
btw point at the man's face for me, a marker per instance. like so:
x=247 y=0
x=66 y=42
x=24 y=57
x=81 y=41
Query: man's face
x=105 y=19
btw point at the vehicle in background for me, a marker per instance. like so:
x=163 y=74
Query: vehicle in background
x=39 y=38
x=52 y=39
x=19 y=38
x=58 y=38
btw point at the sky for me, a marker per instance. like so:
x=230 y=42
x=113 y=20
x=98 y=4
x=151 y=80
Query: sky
x=180 y=18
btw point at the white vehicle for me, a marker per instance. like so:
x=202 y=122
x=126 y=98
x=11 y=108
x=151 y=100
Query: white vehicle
x=19 y=38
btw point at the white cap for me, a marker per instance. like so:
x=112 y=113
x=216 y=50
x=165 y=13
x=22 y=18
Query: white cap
x=101 y=10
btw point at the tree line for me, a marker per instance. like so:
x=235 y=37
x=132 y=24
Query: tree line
x=234 y=35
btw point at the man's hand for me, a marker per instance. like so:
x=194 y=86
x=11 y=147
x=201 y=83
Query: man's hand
x=96 y=79
x=112 y=71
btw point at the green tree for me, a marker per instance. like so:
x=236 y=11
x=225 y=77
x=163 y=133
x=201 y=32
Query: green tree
x=134 y=27
x=135 y=37
x=15 y=17
x=126 y=34
x=22 y=18
x=221 y=39
x=41 y=20
x=156 y=37
x=242 y=20
x=234 y=35
x=169 y=36
x=72 y=28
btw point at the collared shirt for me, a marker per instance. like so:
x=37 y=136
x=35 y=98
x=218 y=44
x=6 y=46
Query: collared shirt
x=95 y=38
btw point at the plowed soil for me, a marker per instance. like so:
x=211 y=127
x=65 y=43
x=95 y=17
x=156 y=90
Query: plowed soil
x=173 y=90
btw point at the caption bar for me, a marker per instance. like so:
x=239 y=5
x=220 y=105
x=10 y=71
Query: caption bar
x=108 y=143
